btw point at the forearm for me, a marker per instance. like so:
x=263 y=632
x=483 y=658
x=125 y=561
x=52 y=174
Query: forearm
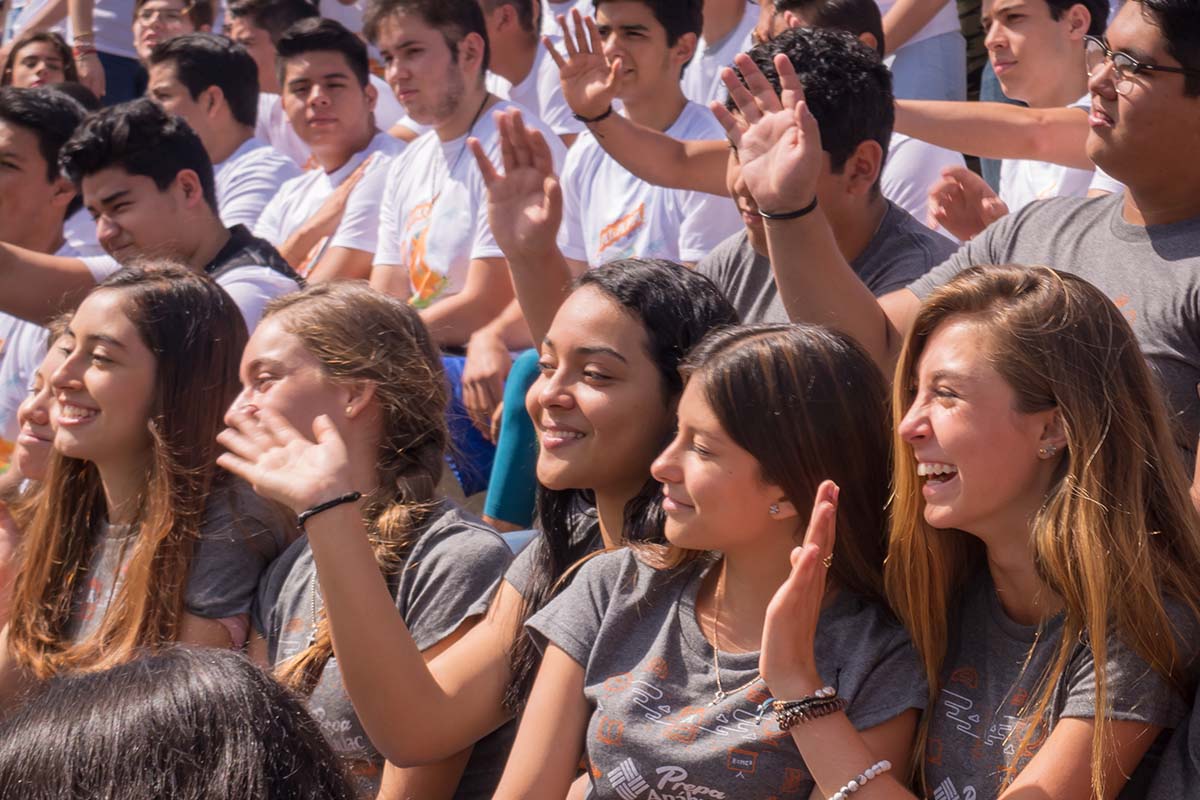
x=906 y=19
x=818 y=286
x=432 y=782
x=999 y=130
x=296 y=249
x=342 y=263
x=509 y=328
x=38 y=287
x=455 y=319
x=45 y=17
x=540 y=284
x=378 y=658
x=80 y=12
x=662 y=160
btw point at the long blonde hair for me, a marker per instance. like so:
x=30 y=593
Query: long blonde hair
x=1117 y=532
x=360 y=334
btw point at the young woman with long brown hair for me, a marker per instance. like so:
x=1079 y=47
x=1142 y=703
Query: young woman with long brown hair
x=1044 y=552
x=136 y=539
x=347 y=364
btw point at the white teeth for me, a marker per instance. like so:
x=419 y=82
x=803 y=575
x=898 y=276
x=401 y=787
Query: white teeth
x=559 y=434
x=925 y=468
x=74 y=412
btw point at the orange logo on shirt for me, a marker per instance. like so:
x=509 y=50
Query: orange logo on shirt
x=426 y=283
x=610 y=731
x=625 y=226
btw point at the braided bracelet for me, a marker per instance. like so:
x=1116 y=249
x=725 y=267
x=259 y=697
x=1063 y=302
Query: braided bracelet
x=863 y=778
x=792 y=713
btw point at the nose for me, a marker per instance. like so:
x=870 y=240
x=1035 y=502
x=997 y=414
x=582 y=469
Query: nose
x=993 y=36
x=36 y=408
x=68 y=375
x=914 y=426
x=317 y=96
x=242 y=404
x=1103 y=79
x=665 y=468
x=106 y=231
x=551 y=391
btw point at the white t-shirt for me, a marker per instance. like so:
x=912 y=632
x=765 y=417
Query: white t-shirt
x=249 y=179
x=80 y=232
x=301 y=197
x=250 y=287
x=541 y=94
x=702 y=76
x=22 y=348
x=276 y=129
x=608 y=213
x=551 y=9
x=911 y=170
x=112 y=22
x=434 y=217
x=1022 y=181
x=944 y=21
x=1103 y=182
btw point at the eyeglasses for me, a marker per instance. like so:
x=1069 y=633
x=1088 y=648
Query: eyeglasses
x=1096 y=54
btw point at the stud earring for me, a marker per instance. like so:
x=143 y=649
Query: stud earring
x=1047 y=451
x=773 y=509
x=349 y=409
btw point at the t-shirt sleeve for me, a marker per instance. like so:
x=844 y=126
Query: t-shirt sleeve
x=252 y=288
x=240 y=537
x=449 y=577
x=100 y=266
x=246 y=199
x=911 y=170
x=970 y=254
x=571 y=240
x=571 y=620
x=707 y=220
x=387 y=241
x=895 y=684
x=359 y=228
x=520 y=572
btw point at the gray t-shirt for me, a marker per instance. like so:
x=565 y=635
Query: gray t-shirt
x=1178 y=772
x=901 y=251
x=648 y=675
x=1152 y=274
x=521 y=571
x=449 y=577
x=240 y=536
x=976 y=724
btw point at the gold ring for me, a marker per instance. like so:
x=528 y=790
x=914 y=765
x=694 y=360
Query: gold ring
x=828 y=561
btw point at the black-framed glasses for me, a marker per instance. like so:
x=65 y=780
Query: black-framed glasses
x=1096 y=53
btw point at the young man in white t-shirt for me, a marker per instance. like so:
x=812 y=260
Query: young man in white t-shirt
x=147 y=181
x=728 y=30
x=212 y=83
x=608 y=213
x=325 y=222
x=521 y=70
x=1036 y=48
x=435 y=245
x=35 y=201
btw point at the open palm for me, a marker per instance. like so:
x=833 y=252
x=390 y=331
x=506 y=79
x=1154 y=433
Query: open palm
x=589 y=81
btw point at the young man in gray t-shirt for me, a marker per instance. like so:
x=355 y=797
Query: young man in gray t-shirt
x=849 y=92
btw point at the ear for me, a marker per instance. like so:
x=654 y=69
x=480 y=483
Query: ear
x=868 y=38
x=470 y=50
x=356 y=396
x=791 y=20
x=862 y=168
x=372 y=95
x=64 y=192
x=785 y=509
x=188 y=184
x=1054 y=432
x=211 y=100
x=1078 y=20
x=506 y=16
x=685 y=48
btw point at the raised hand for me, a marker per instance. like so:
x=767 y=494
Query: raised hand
x=589 y=81
x=786 y=662
x=963 y=203
x=283 y=465
x=777 y=139
x=91 y=72
x=525 y=203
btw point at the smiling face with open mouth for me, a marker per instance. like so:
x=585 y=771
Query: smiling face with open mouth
x=977 y=454
x=104 y=389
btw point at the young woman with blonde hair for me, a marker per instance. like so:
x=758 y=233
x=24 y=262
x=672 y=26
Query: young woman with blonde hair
x=1044 y=551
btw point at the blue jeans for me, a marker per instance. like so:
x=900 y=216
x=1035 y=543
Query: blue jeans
x=120 y=78
x=931 y=69
x=470 y=456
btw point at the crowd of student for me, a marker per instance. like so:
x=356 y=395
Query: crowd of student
x=651 y=282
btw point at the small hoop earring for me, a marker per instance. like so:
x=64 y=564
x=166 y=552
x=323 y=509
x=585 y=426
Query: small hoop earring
x=773 y=509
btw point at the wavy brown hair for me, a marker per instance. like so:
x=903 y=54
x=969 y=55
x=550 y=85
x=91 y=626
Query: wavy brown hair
x=70 y=73
x=809 y=404
x=1117 y=533
x=361 y=335
x=196 y=334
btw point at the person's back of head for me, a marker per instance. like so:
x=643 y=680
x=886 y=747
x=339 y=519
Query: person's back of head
x=273 y=16
x=143 y=140
x=316 y=34
x=204 y=60
x=526 y=12
x=857 y=17
x=846 y=86
x=454 y=19
x=79 y=93
x=49 y=115
x=184 y=724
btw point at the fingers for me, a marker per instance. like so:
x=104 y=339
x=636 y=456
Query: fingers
x=741 y=96
x=554 y=198
x=582 y=41
x=823 y=522
x=593 y=32
x=508 y=152
x=764 y=93
x=731 y=124
x=240 y=445
x=278 y=427
x=614 y=73
x=540 y=156
x=324 y=430
x=486 y=167
x=237 y=466
x=789 y=82
x=557 y=56
x=568 y=42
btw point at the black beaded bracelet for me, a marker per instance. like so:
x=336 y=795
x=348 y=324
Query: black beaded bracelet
x=804 y=212
x=590 y=120
x=306 y=515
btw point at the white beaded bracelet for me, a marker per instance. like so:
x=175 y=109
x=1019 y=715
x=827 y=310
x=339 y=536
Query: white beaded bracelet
x=853 y=786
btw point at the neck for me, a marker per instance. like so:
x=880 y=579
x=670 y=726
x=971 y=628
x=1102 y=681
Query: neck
x=226 y=142
x=853 y=235
x=747 y=579
x=720 y=18
x=362 y=450
x=123 y=482
x=610 y=508
x=1162 y=204
x=657 y=110
x=513 y=60
x=474 y=104
x=214 y=235
x=1026 y=599
x=334 y=155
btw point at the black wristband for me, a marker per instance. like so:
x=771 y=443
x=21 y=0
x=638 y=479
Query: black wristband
x=804 y=212
x=305 y=516
x=601 y=118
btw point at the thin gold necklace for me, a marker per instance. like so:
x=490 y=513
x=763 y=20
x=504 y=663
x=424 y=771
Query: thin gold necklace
x=721 y=694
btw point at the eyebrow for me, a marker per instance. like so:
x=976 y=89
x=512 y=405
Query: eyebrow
x=115 y=196
x=591 y=350
x=1137 y=55
x=260 y=363
x=92 y=338
x=949 y=374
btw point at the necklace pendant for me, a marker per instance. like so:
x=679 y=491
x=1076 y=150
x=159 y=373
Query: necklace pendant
x=312 y=639
x=718 y=696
